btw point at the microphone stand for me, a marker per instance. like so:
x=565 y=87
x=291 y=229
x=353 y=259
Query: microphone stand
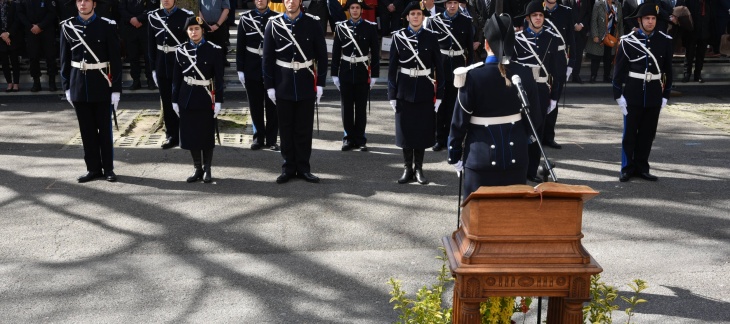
x=526 y=111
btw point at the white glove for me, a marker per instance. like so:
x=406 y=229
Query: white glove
x=242 y=79
x=436 y=105
x=176 y=108
x=68 y=98
x=553 y=105
x=568 y=73
x=336 y=81
x=372 y=82
x=154 y=77
x=622 y=103
x=392 y=104
x=459 y=166
x=115 y=99
x=217 y=109
x=664 y=102
x=272 y=94
x=320 y=90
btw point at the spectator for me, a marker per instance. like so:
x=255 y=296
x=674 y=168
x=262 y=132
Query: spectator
x=695 y=40
x=9 y=44
x=582 y=10
x=134 y=33
x=215 y=15
x=38 y=20
x=722 y=12
x=607 y=18
x=431 y=7
x=389 y=12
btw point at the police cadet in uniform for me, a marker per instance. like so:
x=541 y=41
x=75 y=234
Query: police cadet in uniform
x=91 y=75
x=455 y=36
x=166 y=30
x=197 y=94
x=415 y=89
x=134 y=32
x=642 y=82
x=560 y=18
x=353 y=72
x=536 y=46
x=295 y=68
x=249 y=51
x=38 y=21
x=487 y=114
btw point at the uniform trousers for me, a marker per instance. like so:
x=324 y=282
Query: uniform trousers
x=11 y=66
x=581 y=38
x=264 y=129
x=640 y=126
x=445 y=112
x=95 y=124
x=696 y=49
x=135 y=42
x=44 y=42
x=533 y=150
x=172 y=121
x=548 y=134
x=354 y=97
x=295 y=129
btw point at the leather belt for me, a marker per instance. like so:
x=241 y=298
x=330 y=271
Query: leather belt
x=166 y=48
x=355 y=59
x=83 y=66
x=486 y=121
x=645 y=76
x=194 y=81
x=294 y=65
x=452 y=53
x=259 y=51
x=415 y=72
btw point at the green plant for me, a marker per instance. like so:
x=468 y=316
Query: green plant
x=603 y=301
x=638 y=286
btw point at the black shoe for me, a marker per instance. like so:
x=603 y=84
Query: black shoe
x=420 y=178
x=346 y=146
x=624 y=177
x=407 y=175
x=151 y=85
x=593 y=78
x=52 y=84
x=437 y=147
x=699 y=79
x=110 y=176
x=553 y=144
x=648 y=176
x=135 y=85
x=577 y=79
x=88 y=176
x=274 y=147
x=283 y=178
x=169 y=143
x=363 y=148
x=256 y=146
x=308 y=177
x=197 y=175
x=534 y=179
x=36 y=86
x=685 y=78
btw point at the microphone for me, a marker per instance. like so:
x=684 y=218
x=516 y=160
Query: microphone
x=520 y=90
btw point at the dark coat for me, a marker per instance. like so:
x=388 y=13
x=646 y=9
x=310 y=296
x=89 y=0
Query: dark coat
x=10 y=24
x=545 y=44
x=157 y=34
x=366 y=35
x=138 y=9
x=251 y=27
x=581 y=14
x=415 y=89
x=461 y=28
x=37 y=12
x=562 y=18
x=630 y=57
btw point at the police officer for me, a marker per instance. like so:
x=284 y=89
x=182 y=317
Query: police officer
x=536 y=46
x=295 y=68
x=455 y=35
x=249 y=51
x=38 y=20
x=415 y=89
x=134 y=32
x=487 y=114
x=353 y=72
x=559 y=18
x=642 y=82
x=166 y=30
x=91 y=75
x=197 y=94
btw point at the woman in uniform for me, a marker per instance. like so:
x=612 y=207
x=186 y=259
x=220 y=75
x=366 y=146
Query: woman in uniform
x=415 y=89
x=197 y=94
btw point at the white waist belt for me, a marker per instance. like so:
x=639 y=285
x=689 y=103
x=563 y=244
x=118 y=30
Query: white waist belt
x=415 y=72
x=646 y=77
x=355 y=59
x=452 y=53
x=541 y=79
x=166 y=48
x=561 y=47
x=194 y=81
x=486 y=121
x=259 y=51
x=294 y=65
x=83 y=66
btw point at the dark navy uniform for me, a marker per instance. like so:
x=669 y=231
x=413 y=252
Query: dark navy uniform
x=294 y=75
x=43 y=14
x=560 y=18
x=92 y=74
x=249 y=51
x=135 y=39
x=161 y=45
x=455 y=35
x=488 y=115
x=350 y=63
x=644 y=80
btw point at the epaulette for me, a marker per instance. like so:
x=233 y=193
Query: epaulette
x=342 y=22
x=431 y=30
x=566 y=7
x=188 y=11
x=627 y=35
x=111 y=22
x=665 y=35
x=245 y=12
x=397 y=31
x=65 y=20
x=277 y=16
x=313 y=16
x=460 y=74
x=213 y=44
x=552 y=32
x=370 y=22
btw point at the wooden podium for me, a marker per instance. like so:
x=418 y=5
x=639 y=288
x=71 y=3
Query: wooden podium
x=522 y=241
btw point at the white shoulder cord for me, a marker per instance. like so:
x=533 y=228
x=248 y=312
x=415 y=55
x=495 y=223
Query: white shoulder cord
x=404 y=39
x=352 y=40
x=81 y=39
x=282 y=24
x=193 y=63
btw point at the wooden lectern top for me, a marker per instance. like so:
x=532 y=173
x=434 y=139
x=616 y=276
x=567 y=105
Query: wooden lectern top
x=547 y=190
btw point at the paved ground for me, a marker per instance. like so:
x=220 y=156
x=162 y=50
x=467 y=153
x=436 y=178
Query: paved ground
x=152 y=248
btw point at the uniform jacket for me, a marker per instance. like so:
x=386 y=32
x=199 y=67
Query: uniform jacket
x=157 y=34
x=460 y=27
x=37 y=12
x=598 y=27
x=631 y=57
x=289 y=84
x=138 y=9
x=366 y=35
x=9 y=23
x=207 y=58
x=100 y=34
x=415 y=89
x=251 y=26
x=562 y=18
x=545 y=44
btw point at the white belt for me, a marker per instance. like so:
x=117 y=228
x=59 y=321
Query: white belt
x=561 y=47
x=541 y=79
x=166 y=48
x=259 y=51
x=294 y=65
x=355 y=59
x=415 y=72
x=194 y=81
x=83 y=66
x=452 y=53
x=486 y=121
x=645 y=77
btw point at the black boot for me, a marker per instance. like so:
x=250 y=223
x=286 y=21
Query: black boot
x=198 y=172
x=418 y=166
x=207 y=159
x=408 y=170
x=52 y=83
x=593 y=78
x=136 y=85
x=36 y=85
